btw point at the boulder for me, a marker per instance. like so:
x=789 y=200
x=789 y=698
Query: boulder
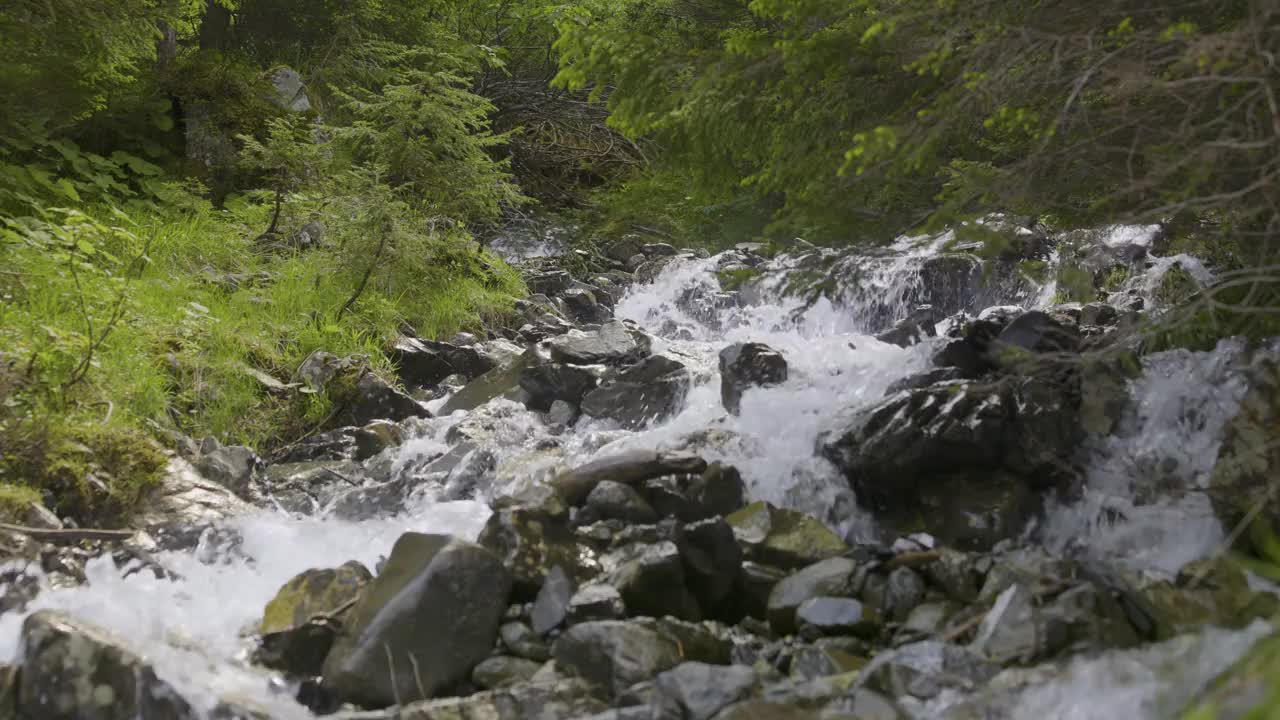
x=596 y=601
x=425 y=363
x=309 y=487
x=230 y=466
x=501 y=381
x=913 y=329
x=904 y=590
x=376 y=437
x=923 y=670
x=550 y=382
x=832 y=577
x=615 y=501
x=301 y=622
x=712 y=562
x=651 y=580
x=376 y=399
x=747 y=365
x=422 y=625
x=337 y=444
x=549 y=283
x=290 y=93
x=652 y=390
x=784 y=538
x=964 y=460
x=74 y=671
x=520 y=640
x=530 y=542
x=613 y=344
x=719 y=491
x=697 y=691
x=631 y=467
x=614 y=655
x=184 y=496
x=582 y=306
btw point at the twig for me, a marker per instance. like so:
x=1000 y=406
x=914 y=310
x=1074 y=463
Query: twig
x=68 y=535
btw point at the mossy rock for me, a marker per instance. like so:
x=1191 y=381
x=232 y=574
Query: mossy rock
x=784 y=538
x=96 y=475
x=301 y=622
x=1242 y=483
x=734 y=278
x=1250 y=689
x=1207 y=592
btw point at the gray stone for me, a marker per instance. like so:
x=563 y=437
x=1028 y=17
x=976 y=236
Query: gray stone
x=290 y=92
x=472 y=476
x=612 y=344
x=652 y=390
x=923 y=670
x=913 y=329
x=615 y=655
x=784 y=538
x=596 y=601
x=502 y=381
x=521 y=641
x=712 y=562
x=651 y=580
x=615 y=501
x=826 y=615
x=185 y=497
x=904 y=591
x=551 y=382
x=1010 y=630
x=422 y=625
x=552 y=604
x=534 y=701
x=719 y=491
x=230 y=466
x=502 y=671
x=530 y=542
x=74 y=671
x=426 y=363
x=697 y=691
x=376 y=399
x=747 y=365
x=376 y=437
x=832 y=577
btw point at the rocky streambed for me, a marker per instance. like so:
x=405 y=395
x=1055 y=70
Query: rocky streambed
x=896 y=484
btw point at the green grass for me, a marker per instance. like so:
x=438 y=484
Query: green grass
x=177 y=356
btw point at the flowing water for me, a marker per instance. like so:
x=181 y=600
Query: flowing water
x=1140 y=483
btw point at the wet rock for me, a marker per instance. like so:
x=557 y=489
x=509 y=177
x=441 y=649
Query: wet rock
x=338 y=444
x=542 y=700
x=1099 y=314
x=813 y=661
x=1010 y=631
x=615 y=501
x=502 y=381
x=552 y=382
x=520 y=640
x=697 y=691
x=712 y=562
x=583 y=306
x=308 y=487
x=552 y=604
x=913 y=329
x=831 y=577
x=923 y=670
x=425 y=363
x=956 y=574
x=422 y=625
x=301 y=622
x=74 y=671
x=1034 y=332
x=747 y=365
x=651 y=580
x=1243 y=480
x=784 y=538
x=752 y=588
x=374 y=501
x=231 y=466
x=631 y=467
x=614 y=655
x=184 y=496
x=904 y=591
x=612 y=344
x=376 y=437
x=925 y=379
x=596 y=601
x=659 y=250
x=472 y=476
x=376 y=399
x=649 y=391
x=502 y=671
x=824 y=615
x=967 y=461
x=1086 y=618
x=529 y=542
x=719 y=491
x=1207 y=592
x=549 y=283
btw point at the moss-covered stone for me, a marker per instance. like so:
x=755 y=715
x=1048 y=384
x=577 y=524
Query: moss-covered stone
x=1208 y=592
x=1249 y=689
x=98 y=475
x=784 y=538
x=1243 y=480
x=300 y=623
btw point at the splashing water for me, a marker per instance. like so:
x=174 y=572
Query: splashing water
x=1144 y=502
x=195 y=627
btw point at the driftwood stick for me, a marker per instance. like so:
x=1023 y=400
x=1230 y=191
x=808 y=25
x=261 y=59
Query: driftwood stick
x=69 y=535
